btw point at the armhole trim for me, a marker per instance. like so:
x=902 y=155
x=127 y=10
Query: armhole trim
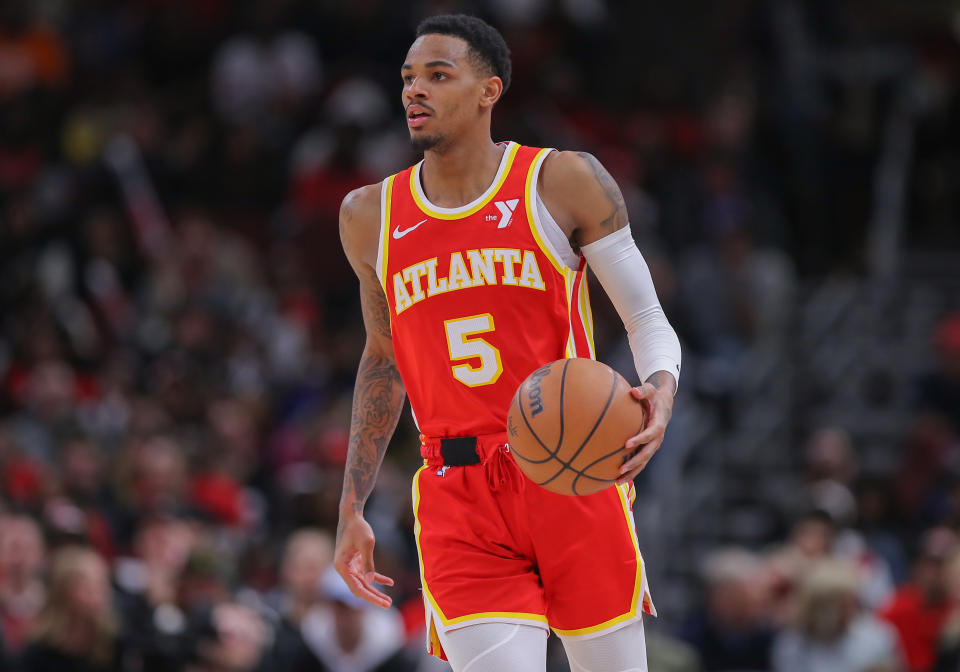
x=533 y=213
x=386 y=192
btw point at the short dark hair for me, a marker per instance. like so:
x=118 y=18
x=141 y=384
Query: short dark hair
x=486 y=43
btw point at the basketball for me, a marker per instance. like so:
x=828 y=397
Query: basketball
x=568 y=423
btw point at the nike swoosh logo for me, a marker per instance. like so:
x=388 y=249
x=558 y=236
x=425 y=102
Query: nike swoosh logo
x=399 y=233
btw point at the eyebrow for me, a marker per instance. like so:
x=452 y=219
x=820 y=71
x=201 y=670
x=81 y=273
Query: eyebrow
x=431 y=64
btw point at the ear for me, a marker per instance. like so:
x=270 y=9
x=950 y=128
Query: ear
x=491 y=91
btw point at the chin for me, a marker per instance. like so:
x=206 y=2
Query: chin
x=423 y=143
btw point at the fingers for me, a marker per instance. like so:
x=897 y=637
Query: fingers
x=655 y=429
x=657 y=412
x=627 y=478
x=638 y=462
x=366 y=591
x=376 y=577
x=358 y=573
x=649 y=439
x=651 y=432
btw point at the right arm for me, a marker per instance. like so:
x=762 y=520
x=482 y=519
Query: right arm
x=377 y=399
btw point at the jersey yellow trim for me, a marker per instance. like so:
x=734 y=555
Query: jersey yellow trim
x=539 y=618
x=586 y=294
x=586 y=319
x=571 y=350
x=493 y=190
x=385 y=232
x=423 y=580
x=416 y=535
x=637 y=585
x=530 y=199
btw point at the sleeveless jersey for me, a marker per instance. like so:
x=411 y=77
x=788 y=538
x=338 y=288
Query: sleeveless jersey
x=478 y=298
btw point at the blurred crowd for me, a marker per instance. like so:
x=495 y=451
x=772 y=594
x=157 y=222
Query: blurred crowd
x=179 y=329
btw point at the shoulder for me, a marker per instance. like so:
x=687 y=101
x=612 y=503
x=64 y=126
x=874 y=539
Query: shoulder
x=565 y=184
x=576 y=179
x=360 y=223
x=361 y=205
x=567 y=169
x=581 y=195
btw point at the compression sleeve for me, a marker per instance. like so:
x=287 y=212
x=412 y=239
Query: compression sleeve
x=625 y=278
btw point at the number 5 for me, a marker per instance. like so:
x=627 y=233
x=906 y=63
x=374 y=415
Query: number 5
x=462 y=347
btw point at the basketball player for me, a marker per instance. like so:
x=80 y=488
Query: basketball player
x=472 y=271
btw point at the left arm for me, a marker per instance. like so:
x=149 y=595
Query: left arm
x=589 y=207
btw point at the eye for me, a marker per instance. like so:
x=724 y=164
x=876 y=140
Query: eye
x=439 y=75
x=408 y=79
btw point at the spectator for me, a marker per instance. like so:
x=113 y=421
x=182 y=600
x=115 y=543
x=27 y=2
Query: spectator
x=948 y=649
x=234 y=639
x=154 y=622
x=76 y=631
x=832 y=632
x=817 y=535
x=918 y=609
x=830 y=457
x=940 y=390
x=30 y=54
x=877 y=521
x=347 y=634
x=733 y=293
x=154 y=476
x=733 y=632
x=22 y=589
x=82 y=481
x=306 y=559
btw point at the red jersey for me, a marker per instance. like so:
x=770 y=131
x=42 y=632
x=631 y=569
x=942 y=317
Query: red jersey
x=477 y=297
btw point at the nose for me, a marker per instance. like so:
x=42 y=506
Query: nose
x=415 y=89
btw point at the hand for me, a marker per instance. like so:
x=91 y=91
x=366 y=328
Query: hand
x=353 y=559
x=658 y=405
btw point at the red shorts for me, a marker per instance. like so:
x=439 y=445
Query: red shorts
x=495 y=547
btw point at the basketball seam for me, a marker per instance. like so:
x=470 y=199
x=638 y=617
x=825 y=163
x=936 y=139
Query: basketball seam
x=613 y=389
x=605 y=457
x=523 y=414
x=563 y=384
x=566 y=463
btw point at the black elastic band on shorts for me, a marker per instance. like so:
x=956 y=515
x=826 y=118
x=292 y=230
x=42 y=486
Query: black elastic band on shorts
x=460 y=451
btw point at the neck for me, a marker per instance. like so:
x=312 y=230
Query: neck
x=77 y=638
x=298 y=608
x=456 y=175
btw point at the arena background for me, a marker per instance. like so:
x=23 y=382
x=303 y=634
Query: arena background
x=179 y=329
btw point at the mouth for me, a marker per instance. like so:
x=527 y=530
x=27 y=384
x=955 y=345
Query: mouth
x=417 y=116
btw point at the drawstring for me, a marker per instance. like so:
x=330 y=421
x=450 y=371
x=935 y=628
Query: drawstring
x=499 y=471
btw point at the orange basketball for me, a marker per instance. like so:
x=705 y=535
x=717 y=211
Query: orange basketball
x=568 y=423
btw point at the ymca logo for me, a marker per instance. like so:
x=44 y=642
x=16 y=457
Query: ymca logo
x=506 y=209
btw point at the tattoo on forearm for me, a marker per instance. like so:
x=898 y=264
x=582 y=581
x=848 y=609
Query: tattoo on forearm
x=377 y=402
x=618 y=218
x=376 y=311
x=661 y=380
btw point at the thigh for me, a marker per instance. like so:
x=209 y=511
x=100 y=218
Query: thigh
x=496 y=647
x=586 y=550
x=475 y=564
x=620 y=650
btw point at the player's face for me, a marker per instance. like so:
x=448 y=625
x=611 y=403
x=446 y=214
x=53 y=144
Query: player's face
x=442 y=91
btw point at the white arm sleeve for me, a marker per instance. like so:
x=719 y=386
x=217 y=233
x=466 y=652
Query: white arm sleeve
x=625 y=278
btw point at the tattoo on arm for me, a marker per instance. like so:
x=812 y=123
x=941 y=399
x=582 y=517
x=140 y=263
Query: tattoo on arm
x=618 y=218
x=663 y=379
x=377 y=402
x=373 y=303
x=378 y=394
